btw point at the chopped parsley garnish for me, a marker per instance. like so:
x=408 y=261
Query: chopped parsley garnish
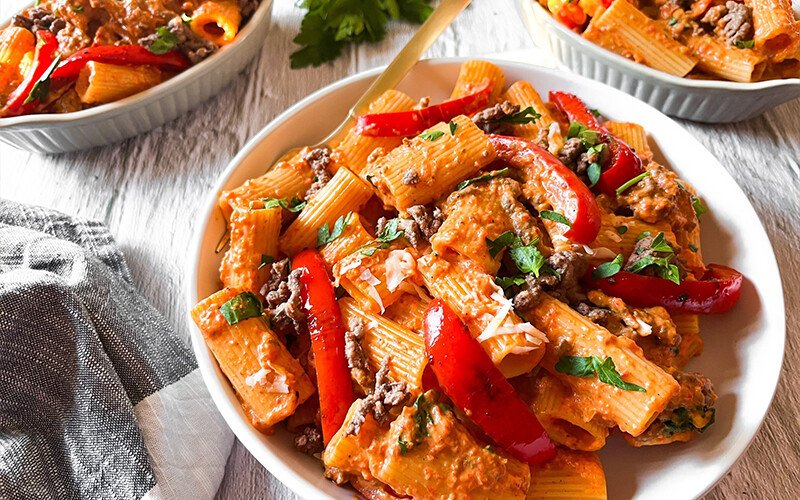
x=527 y=115
x=77 y=8
x=555 y=217
x=453 y=127
x=606 y=371
x=266 y=260
x=385 y=238
x=587 y=136
x=595 y=113
x=498 y=244
x=672 y=21
x=295 y=205
x=745 y=44
x=186 y=18
x=527 y=258
x=243 y=306
x=608 y=269
x=693 y=247
x=506 y=282
x=699 y=206
x=681 y=421
x=632 y=182
x=329 y=25
x=402 y=445
x=663 y=264
x=622 y=229
x=432 y=136
x=485 y=177
x=593 y=173
x=165 y=41
x=423 y=416
x=325 y=235
x=41 y=88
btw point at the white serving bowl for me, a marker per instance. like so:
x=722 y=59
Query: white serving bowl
x=744 y=349
x=107 y=123
x=709 y=101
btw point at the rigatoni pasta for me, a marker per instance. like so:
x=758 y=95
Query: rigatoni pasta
x=471 y=314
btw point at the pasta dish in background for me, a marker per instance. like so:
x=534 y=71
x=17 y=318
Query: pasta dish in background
x=465 y=299
x=60 y=56
x=741 y=41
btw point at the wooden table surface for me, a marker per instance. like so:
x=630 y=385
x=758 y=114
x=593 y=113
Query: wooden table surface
x=149 y=189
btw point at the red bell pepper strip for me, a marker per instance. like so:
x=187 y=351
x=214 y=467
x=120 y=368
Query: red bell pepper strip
x=133 y=55
x=413 y=122
x=471 y=380
x=624 y=164
x=568 y=195
x=46 y=47
x=716 y=292
x=327 y=331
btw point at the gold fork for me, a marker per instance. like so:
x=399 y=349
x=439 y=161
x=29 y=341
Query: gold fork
x=440 y=19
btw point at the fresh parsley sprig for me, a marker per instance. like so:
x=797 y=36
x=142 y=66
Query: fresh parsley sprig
x=606 y=371
x=525 y=116
x=555 y=217
x=485 y=177
x=329 y=25
x=389 y=233
x=295 y=205
x=325 y=235
x=244 y=306
x=432 y=135
x=165 y=41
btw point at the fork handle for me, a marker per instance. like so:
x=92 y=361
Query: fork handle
x=440 y=19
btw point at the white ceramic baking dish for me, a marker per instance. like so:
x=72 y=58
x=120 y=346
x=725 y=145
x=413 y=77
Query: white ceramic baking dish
x=107 y=123
x=710 y=101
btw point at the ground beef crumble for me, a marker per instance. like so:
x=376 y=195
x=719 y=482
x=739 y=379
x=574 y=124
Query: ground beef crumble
x=39 y=19
x=319 y=160
x=282 y=295
x=379 y=403
x=309 y=441
x=578 y=158
x=419 y=227
x=563 y=283
x=356 y=357
x=737 y=23
x=194 y=47
x=490 y=120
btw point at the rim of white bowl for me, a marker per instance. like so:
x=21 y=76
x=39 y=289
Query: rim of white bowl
x=150 y=95
x=219 y=387
x=629 y=66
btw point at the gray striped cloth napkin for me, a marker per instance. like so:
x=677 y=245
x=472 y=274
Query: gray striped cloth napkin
x=98 y=396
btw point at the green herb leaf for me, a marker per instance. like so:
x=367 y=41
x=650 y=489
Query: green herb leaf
x=745 y=44
x=593 y=172
x=165 y=41
x=527 y=258
x=631 y=182
x=595 y=113
x=699 y=206
x=186 y=18
x=693 y=247
x=485 y=177
x=266 y=260
x=415 y=11
x=453 y=126
x=498 y=244
x=587 y=136
x=608 y=269
x=385 y=238
x=317 y=40
x=325 y=235
x=660 y=244
x=606 y=371
x=402 y=445
x=293 y=206
x=431 y=136
x=527 y=115
x=243 y=306
x=506 y=282
x=77 y=8
x=555 y=217
x=423 y=416
x=672 y=21
x=622 y=229
x=41 y=88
